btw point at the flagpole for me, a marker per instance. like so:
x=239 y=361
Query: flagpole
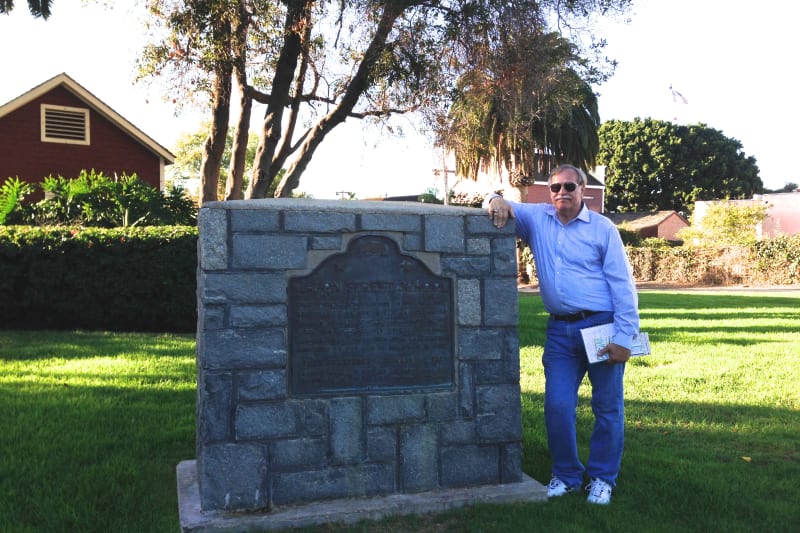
x=677 y=97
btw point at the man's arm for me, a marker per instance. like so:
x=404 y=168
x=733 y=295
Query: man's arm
x=619 y=275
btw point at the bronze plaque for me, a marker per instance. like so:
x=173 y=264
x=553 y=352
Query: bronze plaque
x=370 y=320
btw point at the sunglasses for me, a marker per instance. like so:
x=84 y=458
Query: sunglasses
x=568 y=186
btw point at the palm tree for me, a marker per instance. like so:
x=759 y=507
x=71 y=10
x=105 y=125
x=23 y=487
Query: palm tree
x=522 y=112
x=569 y=134
x=38 y=8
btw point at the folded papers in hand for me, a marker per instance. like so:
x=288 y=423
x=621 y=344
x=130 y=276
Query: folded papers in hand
x=596 y=338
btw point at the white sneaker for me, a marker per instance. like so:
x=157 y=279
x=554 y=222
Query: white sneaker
x=556 y=488
x=599 y=492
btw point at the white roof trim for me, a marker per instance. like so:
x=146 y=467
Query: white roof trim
x=92 y=101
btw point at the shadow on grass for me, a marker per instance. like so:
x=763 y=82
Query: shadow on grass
x=686 y=304
x=92 y=427
x=688 y=466
x=654 y=300
x=27 y=345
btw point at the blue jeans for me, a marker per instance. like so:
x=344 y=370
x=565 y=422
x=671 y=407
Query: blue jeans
x=565 y=365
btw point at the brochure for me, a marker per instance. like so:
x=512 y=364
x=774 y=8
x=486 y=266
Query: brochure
x=597 y=337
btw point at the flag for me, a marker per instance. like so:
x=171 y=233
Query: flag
x=678 y=97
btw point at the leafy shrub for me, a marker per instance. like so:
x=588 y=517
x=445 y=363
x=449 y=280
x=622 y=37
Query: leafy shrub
x=629 y=237
x=12 y=193
x=656 y=243
x=644 y=262
x=777 y=260
x=467 y=199
x=771 y=261
x=725 y=224
x=768 y=262
x=527 y=267
x=95 y=200
x=429 y=197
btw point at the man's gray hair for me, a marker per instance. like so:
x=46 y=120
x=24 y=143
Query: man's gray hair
x=561 y=168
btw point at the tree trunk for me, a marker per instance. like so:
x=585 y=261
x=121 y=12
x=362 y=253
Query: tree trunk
x=298 y=16
x=291 y=179
x=234 y=183
x=214 y=147
x=522 y=272
x=358 y=85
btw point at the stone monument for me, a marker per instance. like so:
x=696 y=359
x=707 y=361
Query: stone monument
x=355 y=360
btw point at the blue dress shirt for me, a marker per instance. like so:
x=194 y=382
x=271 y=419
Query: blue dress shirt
x=581 y=265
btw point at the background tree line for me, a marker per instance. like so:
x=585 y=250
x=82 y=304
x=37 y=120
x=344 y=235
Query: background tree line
x=316 y=64
x=650 y=165
x=506 y=86
x=653 y=165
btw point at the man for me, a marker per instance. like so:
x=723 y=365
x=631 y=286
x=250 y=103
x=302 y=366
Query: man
x=585 y=280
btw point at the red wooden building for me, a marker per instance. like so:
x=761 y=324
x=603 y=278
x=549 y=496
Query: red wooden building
x=59 y=128
x=658 y=224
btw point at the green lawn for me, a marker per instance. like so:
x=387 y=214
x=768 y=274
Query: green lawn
x=92 y=426
x=91 y=429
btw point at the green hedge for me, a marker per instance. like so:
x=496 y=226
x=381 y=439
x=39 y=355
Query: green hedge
x=144 y=279
x=774 y=261
x=120 y=279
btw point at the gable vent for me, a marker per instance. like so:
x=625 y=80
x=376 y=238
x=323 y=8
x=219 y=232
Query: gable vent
x=65 y=124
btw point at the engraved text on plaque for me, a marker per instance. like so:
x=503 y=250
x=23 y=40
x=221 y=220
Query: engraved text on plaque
x=370 y=320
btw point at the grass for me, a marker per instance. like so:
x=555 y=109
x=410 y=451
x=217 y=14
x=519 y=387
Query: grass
x=91 y=429
x=92 y=426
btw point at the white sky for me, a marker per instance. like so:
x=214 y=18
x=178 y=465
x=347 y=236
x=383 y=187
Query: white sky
x=731 y=59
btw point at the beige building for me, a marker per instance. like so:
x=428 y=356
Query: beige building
x=783 y=212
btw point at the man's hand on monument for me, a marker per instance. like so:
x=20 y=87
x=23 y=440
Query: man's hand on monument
x=500 y=211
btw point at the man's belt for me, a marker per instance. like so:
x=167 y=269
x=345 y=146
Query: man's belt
x=574 y=317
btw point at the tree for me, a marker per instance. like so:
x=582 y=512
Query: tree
x=326 y=62
x=193 y=50
x=38 y=8
x=656 y=165
x=189 y=156
x=524 y=109
x=234 y=184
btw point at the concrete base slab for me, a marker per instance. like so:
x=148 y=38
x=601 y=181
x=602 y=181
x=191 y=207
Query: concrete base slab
x=349 y=511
